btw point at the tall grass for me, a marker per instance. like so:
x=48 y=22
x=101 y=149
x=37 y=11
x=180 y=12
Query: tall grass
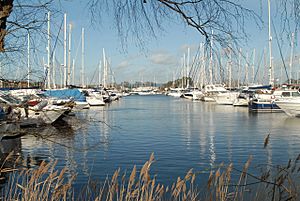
x=47 y=183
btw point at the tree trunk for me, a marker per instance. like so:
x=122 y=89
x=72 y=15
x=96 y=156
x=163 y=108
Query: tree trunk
x=5 y=10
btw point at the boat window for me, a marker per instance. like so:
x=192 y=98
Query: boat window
x=285 y=94
x=295 y=94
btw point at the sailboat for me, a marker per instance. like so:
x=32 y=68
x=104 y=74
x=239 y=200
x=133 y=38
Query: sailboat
x=264 y=100
x=228 y=97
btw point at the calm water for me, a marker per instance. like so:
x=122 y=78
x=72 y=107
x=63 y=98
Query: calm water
x=181 y=133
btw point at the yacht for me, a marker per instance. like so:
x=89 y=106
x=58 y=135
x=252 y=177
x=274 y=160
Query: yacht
x=226 y=98
x=289 y=102
x=267 y=101
x=194 y=94
x=94 y=98
x=212 y=90
x=176 y=92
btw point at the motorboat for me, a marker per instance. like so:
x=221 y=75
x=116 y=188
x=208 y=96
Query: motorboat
x=94 y=98
x=212 y=90
x=289 y=102
x=226 y=98
x=194 y=94
x=176 y=92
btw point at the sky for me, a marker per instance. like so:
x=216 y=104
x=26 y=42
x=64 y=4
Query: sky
x=156 y=63
x=162 y=57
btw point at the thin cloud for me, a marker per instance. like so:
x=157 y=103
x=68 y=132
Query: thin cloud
x=193 y=48
x=123 y=65
x=162 y=58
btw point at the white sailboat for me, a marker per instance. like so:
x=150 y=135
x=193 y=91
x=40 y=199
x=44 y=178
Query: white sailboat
x=228 y=97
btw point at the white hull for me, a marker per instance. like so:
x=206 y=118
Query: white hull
x=48 y=115
x=197 y=96
x=79 y=105
x=241 y=102
x=142 y=93
x=177 y=95
x=290 y=107
x=188 y=96
x=208 y=99
x=226 y=98
x=94 y=101
x=193 y=95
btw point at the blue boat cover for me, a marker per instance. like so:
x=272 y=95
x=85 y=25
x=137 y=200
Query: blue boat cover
x=66 y=93
x=269 y=87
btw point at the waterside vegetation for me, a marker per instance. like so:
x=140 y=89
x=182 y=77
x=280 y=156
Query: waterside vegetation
x=45 y=182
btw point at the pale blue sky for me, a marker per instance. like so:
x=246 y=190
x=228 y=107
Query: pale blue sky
x=163 y=54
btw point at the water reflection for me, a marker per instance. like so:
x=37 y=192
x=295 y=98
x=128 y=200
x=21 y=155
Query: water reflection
x=182 y=134
x=10 y=149
x=51 y=143
x=8 y=145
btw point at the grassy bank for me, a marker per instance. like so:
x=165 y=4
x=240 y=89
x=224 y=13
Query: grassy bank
x=45 y=182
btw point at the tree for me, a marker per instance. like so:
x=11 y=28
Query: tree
x=5 y=10
x=224 y=20
x=20 y=19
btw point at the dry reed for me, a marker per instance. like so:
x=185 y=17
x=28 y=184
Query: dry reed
x=47 y=183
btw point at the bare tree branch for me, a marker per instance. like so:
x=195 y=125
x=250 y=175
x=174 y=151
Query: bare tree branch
x=144 y=19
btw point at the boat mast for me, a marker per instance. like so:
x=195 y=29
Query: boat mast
x=271 y=80
x=230 y=69
x=53 y=70
x=48 y=51
x=253 y=62
x=28 y=60
x=104 y=68
x=69 y=55
x=210 y=59
x=188 y=69
x=291 y=58
x=73 y=71
x=202 y=71
x=239 y=68
x=184 y=72
x=82 y=58
x=246 y=70
x=99 y=76
x=65 y=50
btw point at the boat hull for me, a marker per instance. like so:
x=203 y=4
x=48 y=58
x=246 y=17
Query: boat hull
x=93 y=101
x=263 y=106
x=241 y=102
x=48 y=116
x=226 y=98
x=290 y=108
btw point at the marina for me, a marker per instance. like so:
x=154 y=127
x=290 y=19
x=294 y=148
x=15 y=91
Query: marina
x=181 y=133
x=149 y=100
